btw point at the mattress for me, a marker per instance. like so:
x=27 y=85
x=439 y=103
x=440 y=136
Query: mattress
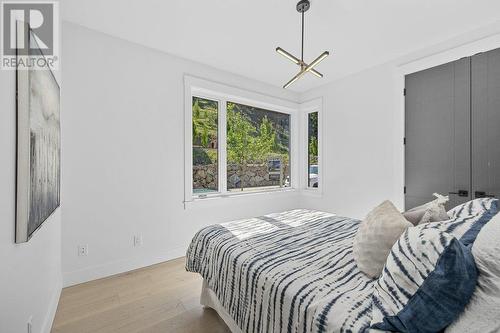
x=285 y=272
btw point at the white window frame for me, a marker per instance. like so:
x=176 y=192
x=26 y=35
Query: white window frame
x=315 y=105
x=197 y=87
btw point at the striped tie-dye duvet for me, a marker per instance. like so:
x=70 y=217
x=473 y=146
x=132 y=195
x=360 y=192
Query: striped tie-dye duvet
x=295 y=272
x=286 y=272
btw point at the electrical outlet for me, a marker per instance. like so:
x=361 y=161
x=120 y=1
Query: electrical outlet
x=137 y=240
x=30 y=324
x=83 y=250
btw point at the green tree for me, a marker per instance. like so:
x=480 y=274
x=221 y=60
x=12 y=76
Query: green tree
x=205 y=137
x=265 y=143
x=240 y=140
x=204 y=127
x=196 y=119
x=240 y=137
x=244 y=143
x=196 y=109
x=313 y=149
x=313 y=137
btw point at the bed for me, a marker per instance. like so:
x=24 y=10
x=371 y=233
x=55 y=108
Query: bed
x=294 y=271
x=284 y=272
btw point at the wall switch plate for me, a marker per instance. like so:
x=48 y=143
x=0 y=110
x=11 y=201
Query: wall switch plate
x=83 y=250
x=30 y=324
x=138 y=240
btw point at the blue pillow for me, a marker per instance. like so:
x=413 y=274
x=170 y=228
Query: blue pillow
x=426 y=283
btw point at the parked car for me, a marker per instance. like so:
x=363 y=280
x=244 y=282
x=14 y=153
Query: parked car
x=313 y=175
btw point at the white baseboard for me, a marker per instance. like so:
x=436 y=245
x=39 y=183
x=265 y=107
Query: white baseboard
x=120 y=266
x=52 y=308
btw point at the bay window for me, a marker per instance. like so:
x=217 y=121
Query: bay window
x=241 y=142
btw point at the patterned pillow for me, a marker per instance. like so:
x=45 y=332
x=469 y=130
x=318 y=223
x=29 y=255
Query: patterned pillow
x=466 y=220
x=375 y=236
x=428 y=279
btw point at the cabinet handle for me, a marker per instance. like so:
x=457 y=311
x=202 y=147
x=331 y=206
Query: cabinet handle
x=461 y=193
x=482 y=194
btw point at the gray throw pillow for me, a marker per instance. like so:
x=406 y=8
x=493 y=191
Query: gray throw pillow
x=433 y=211
x=376 y=235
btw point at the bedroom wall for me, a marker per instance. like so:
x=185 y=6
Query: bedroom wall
x=363 y=127
x=123 y=162
x=30 y=277
x=358 y=143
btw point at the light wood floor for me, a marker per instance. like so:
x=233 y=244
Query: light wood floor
x=159 y=298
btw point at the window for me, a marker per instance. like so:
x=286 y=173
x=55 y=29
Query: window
x=258 y=148
x=312 y=150
x=311 y=173
x=205 y=145
x=238 y=141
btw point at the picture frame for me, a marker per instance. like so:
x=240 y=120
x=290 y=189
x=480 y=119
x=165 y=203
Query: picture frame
x=38 y=141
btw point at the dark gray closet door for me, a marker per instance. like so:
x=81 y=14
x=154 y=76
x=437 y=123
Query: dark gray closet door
x=486 y=124
x=437 y=130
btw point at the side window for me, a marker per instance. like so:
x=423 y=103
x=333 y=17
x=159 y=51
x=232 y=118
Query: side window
x=205 y=145
x=312 y=150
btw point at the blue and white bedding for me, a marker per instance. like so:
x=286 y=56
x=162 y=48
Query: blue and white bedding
x=286 y=272
x=295 y=272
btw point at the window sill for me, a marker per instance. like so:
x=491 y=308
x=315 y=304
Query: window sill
x=233 y=195
x=312 y=192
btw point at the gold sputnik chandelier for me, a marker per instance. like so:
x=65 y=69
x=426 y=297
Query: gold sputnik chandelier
x=302 y=7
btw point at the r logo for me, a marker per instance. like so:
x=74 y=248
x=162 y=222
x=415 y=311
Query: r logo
x=39 y=16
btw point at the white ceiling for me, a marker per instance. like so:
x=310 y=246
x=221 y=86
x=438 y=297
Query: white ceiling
x=241 y=36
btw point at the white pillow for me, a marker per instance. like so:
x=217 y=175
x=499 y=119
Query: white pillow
x=433 y=211
x=482 y=314
x=376 y=235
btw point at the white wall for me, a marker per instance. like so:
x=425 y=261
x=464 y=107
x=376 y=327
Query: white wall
x=30 y=273
x=123 y=156
x=358 y=143
x=363 y=127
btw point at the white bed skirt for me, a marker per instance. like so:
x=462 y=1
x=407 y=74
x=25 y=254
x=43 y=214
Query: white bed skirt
x=210 y=300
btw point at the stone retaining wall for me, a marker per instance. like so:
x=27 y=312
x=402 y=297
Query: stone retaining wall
x=205 y=176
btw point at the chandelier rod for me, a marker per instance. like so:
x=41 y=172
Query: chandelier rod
x=302 y=51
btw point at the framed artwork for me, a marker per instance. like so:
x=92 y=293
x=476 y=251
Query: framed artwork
x=38 y=143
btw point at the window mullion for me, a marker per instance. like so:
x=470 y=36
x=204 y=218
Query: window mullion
x=303 y=164
x=222 y=176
